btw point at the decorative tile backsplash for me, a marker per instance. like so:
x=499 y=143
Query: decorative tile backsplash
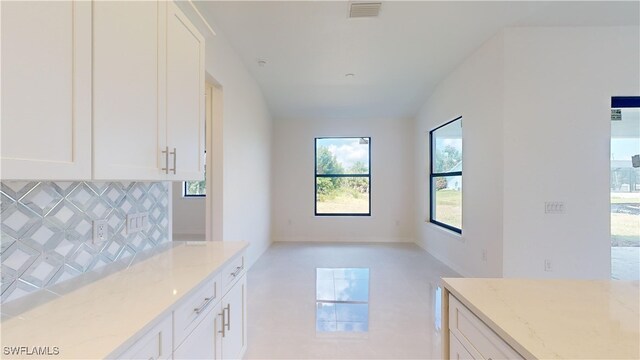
x=47 y=229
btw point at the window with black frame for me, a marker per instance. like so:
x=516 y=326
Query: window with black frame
x=343 y=176
x=445 y=143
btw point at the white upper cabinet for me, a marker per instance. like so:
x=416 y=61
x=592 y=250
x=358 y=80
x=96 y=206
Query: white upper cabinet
x=46 y=90
x=126 y=123
x=103 y=90
x=149 y=93
x=185 y=96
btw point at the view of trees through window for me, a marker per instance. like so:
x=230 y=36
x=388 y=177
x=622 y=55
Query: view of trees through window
x=342 y=176
x=446 y=175
x=195 y=188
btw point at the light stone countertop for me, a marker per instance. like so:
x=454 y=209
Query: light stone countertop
x=557 y=319
x=96 y=319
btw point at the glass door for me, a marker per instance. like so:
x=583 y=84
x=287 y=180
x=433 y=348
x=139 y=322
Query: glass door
x=625 y=188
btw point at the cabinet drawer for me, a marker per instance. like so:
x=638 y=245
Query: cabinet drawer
x=457 y=351
x=155 y=344
x=187 y=316
x=471 y=331
x=232 y=272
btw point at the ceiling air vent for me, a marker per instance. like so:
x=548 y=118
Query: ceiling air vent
x=364 y=9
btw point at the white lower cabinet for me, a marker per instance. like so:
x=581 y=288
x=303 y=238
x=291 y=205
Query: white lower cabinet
x=201 y=343
x=470 y=338
x=209 y=323
x=154 y=344
x=457 y=351
x=234 y=333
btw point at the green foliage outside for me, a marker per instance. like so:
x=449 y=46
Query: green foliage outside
x=348 y=191
x=196 y=188
x=447 y=158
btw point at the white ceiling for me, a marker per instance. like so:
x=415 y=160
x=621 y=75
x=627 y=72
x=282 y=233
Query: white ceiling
x=397 y=58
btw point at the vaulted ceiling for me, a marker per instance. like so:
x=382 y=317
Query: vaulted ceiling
x=397 y=58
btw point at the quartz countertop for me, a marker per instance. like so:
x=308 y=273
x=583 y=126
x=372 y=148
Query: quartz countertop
x=557 y=319
x=96 y=319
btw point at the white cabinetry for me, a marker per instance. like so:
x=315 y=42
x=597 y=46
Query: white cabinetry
x=102 y=90
x=210 y=323
x=46 y=90
x=185 y=96
x=234 y=306
x=470 y=338
x=154 y=344
x=149 y=93
x=126 y=123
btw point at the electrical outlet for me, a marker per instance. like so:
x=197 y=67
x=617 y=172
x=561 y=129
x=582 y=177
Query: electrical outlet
x=100 y=231
x=547 y=265
x=484 y=255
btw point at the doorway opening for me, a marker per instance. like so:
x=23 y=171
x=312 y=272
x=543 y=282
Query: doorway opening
x=197 y=204
x=625 y=188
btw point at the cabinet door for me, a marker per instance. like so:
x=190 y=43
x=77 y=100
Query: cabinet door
x=201 y=342
x=457 y=351
x=128 y=133
x=155 y=344
x=46 y=90
x=185 y=96
x=234 y=341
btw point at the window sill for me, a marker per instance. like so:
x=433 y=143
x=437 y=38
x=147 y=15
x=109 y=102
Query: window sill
x=453 y=234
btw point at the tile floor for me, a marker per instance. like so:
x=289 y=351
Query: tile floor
x=344 y=301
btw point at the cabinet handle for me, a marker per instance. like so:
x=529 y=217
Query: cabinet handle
x=166 y=160
x=206 y=303
x=223 y=332
x=228 y=317
x=175 y=157
x=238 y=270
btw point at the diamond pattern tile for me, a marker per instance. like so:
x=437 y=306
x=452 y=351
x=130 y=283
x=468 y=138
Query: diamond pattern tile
x=137 y=191
x=42 y=199
x=114 y=247
x=67 y=246
x=43 y=236
x=99 y=209
x=82 y=197
x=66 y=272
x=43 y=269
x=114 y=194
x=5 y=201
x=65 y=187
x=47 y=229
x=64 y=215
x=17 y=258
x=17 y=189
x=5 y=241
x=98 y=187
x=17 y=220
x=16 y=290
x=82 y=230
x=128 y=205
x=83 y=258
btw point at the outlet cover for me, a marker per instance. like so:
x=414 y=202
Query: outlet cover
x=547 y=265
x=100 y=231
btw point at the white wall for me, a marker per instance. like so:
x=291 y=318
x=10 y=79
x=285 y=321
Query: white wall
x=473 y=91
x=391 y=182
x=558 y=88
x=536 y=107
x=246 y=165
x=188 y=213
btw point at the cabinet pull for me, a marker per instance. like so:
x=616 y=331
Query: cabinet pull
x=223 y=332
x=228 y=317
x=206 y=303
x=238 y=270
x=166 y=160
x=175 y=156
